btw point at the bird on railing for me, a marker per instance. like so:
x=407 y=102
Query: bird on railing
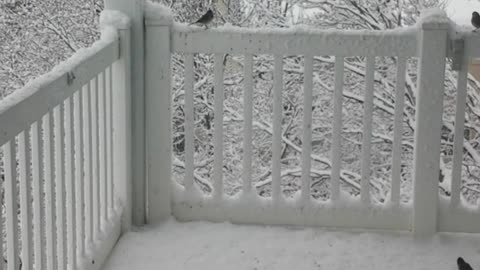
x=463 y=265
x=475 y=20
x=205 y=19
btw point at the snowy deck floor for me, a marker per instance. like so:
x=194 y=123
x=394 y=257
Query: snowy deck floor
x=201 y=245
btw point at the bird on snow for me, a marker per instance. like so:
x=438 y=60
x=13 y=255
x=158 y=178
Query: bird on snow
x=463 y=265
x=475 y=20
x=206 y=19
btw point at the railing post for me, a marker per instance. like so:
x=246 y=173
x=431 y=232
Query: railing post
x=158 y=113
x=429 y=108
x=122 y=124
x=134 y=9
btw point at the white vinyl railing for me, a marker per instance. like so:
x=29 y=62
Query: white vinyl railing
x=67 y=159
x=63 y=138
x=428 y=42
x=249 y=208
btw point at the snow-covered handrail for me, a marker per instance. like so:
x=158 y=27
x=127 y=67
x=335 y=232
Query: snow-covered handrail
x=42 y=94
x=296 y=40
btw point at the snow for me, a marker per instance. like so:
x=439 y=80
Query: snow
x=104 y=236
x=200 y=245
x=434 y=17
x=114 y=18
x=295 y=29
x=156 y=11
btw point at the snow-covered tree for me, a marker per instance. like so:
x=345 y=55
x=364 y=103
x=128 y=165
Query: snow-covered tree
x=35 y=35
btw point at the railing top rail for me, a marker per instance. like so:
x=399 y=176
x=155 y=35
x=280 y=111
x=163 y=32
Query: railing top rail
x=28 y=104
x=471 y=45
x=299 y=40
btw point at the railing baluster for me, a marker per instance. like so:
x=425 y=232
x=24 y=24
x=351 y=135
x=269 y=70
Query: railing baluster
x=458 y=138
x=367 y=130
x=189 y=124
x=50 y=192
x=248 y=113
x=89 y=172
x=110 y=141
x=26 y=198
x=11 y=205
x=103 y=147
x=60 y=183
x=337 y=128
x=277 y=128
x=79 y=170
x=218 y=132
x=38 y=195
x=398 y=131
x=307 y=129
x=2 y=218
x=96 y=159
x=70 y=183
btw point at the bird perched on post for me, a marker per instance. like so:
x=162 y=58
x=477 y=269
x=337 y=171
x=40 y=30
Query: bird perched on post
x=475 y=20
x=463 y=265
x=205 y=19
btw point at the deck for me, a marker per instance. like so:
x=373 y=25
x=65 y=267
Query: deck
x=220 y=246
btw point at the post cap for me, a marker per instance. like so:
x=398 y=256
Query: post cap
x=157 y=14
x=114 y=18
x=434 y=19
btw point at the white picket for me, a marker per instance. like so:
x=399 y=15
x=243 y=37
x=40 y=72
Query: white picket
x=337 y=128
x=277 y=128
x=458 y=138
x=398 y=131
x=367 y=130
x=307 y=129
x=13 y=254
x=24 y=152
x=248 y=113
x=189 y=123
x=218 y=131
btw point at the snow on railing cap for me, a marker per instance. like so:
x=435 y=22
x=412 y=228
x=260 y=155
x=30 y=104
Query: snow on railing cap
x=157 y=14
x=434 y=18
x=114 y=18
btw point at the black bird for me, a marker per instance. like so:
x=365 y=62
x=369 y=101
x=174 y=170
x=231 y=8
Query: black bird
x=206 y=19
x=463 y=265
x=475 y=20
